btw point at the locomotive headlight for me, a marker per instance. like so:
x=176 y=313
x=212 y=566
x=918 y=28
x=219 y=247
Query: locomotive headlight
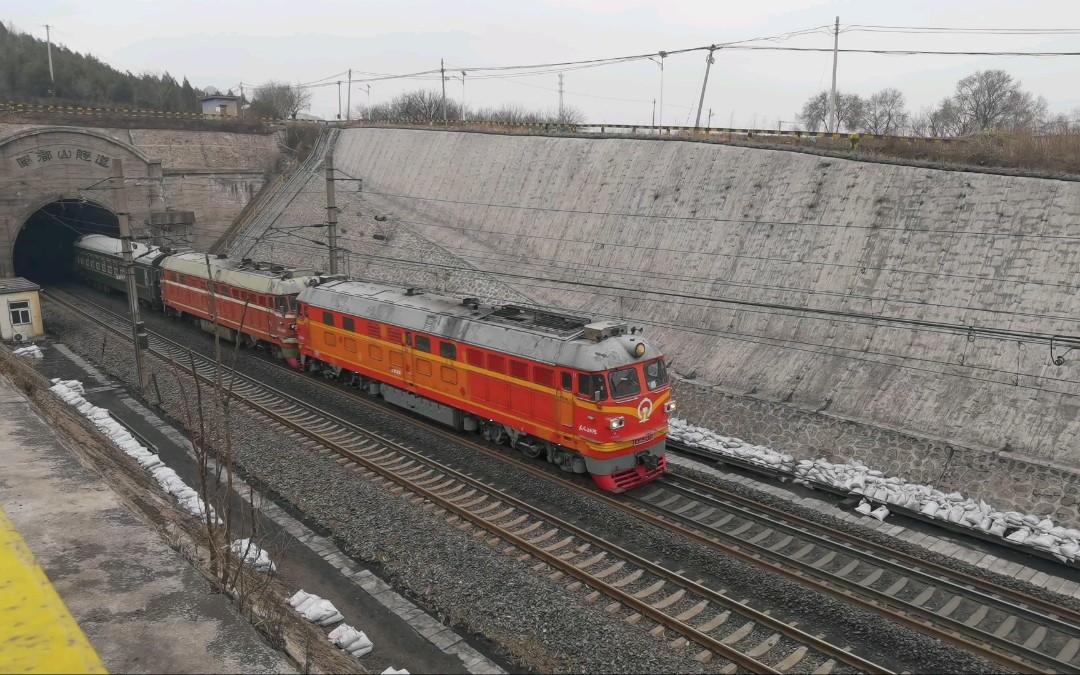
x=639 y=350
x=669 y=407
x=616 y=423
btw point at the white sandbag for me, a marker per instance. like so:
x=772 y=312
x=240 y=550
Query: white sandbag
x=298 y=597
x=879 y=513
x=362 y=647
x=1070 y=550
x=391 y=671
x=863 y=508
x=307 y=603
x=998 y=528
x=331 y=620
x=1044 y=541
x=1045 y=525
x=1019 y=536
x=1031 y=520
x=956 y=514
x=344 y=635
x=318 y=611
x=150 y=462
x=929 y=509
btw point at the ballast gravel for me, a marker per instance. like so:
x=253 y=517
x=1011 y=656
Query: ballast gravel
x=487 y=591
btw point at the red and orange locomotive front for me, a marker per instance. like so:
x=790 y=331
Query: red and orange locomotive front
x=588 y=397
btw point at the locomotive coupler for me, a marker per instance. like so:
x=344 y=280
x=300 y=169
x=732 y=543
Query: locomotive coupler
x=649 y=460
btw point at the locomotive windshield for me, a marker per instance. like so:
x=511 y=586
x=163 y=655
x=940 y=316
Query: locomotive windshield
x=625 y=383
x=655 y=374
x=589 y=385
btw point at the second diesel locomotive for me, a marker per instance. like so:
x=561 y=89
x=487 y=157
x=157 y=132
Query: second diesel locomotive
x=589 y=397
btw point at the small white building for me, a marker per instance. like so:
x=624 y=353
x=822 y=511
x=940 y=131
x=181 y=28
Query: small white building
x=222 y=105
x=20 y=315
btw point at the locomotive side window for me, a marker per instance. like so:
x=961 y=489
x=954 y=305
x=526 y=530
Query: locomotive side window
x=625 y=383
x=328 y=318
x=349 y=325
x=448 y=350
x=423 y=344
x=475 y=357
x=567 y=382
x=544 y=376
x=519 y=369
x=655 y=375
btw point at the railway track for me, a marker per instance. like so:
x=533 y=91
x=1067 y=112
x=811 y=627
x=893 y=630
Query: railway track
x=686 y=612
x=1017 y=626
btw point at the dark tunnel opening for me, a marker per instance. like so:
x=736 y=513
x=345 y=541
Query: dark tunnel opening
x=43 y=249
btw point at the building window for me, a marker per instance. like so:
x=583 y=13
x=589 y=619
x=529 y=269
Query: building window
x=20 y=312
x=448 y=350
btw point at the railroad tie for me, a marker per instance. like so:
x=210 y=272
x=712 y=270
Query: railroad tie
x=715 y=622
x=1068 y=652
x=1006 y=627
x=742 y=528
x=651 y=590
x=826 y=668
x=761 y=536
x=716 y=525
x=611 y=570
x=872 y=578
x=628 y=579
x=802 y=552
x=793 y=659
x=927 y=593
x=670 y=600
x=846 y=569
x=740 y=633
x=693 y=611
x=685 y=507
x=824 y=560
x=667 y=502
x=976 y=618
x=950 y=606
x=782 y=543
x=709 y=510
x=898 y=586
x=1036 y=638
x=766 y=644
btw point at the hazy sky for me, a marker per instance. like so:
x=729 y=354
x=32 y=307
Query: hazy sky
x=226 y=42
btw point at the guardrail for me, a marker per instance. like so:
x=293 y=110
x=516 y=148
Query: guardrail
x=689 y=133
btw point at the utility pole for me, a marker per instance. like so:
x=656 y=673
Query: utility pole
x=663 y=55
x=654 y=112
x=137 y=332
x=348 y=98
x=339 y=99
x=331 y=213
x=832 y=95
x=701 y=102
x=48 y=41
x=442 y=71
x=562 y=116
x=463 y=96
x=710 y=118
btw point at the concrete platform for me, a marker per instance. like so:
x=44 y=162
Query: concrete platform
x=404 y=635
x=141 y=605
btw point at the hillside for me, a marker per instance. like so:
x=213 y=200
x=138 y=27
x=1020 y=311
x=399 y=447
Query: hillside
x=81 y=79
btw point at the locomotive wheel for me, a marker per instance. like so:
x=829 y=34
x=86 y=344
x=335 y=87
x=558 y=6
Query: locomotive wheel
x=531 y=451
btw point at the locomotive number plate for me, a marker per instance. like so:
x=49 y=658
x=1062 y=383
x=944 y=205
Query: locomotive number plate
x=643 y=440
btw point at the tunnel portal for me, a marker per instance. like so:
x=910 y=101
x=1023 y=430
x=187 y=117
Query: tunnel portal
x=43 y=248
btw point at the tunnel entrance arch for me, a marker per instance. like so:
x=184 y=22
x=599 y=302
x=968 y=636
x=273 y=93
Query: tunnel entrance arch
x=43 y=250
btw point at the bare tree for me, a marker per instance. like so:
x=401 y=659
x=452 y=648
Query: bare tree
x=815 y=112
x=884 y=113
x=280 y=100
x=992 y=99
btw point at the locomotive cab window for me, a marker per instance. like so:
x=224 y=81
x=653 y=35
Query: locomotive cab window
x=423 y=344
x=591 y=385
x=625 y=383
x=448 y=350
x=655 y=374
x=567 y=382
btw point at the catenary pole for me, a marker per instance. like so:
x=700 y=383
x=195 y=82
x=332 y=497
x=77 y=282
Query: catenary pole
x=701 y=102
x=124 y=222
x=442 y=71
x=331 y=213
x=48 y=42
x=348 y=98
x=829 y=123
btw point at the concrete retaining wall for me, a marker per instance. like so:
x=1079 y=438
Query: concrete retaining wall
x=774 y=229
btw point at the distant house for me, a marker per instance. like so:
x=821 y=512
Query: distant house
x=20 y=316
x=221 y=105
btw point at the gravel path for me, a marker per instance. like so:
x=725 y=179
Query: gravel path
x=507 y=602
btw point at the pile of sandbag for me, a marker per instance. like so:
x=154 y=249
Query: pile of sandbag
x=71 y=392
x=315 y=609
x=876 y=488
x=723 y=446
x=253 y=556
x=349 y=639
x=30 y=352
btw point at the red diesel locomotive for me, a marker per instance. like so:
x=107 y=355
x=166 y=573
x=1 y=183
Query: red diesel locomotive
x=588 y=397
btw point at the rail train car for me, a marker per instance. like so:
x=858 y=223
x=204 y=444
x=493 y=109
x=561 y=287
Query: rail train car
x=588 y=397
x=246 y=301
x=99 y=262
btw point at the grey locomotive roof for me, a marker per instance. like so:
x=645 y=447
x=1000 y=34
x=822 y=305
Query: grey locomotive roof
x=17 y=285
x=449 y=318
x=264 y=278
x=100 y=243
